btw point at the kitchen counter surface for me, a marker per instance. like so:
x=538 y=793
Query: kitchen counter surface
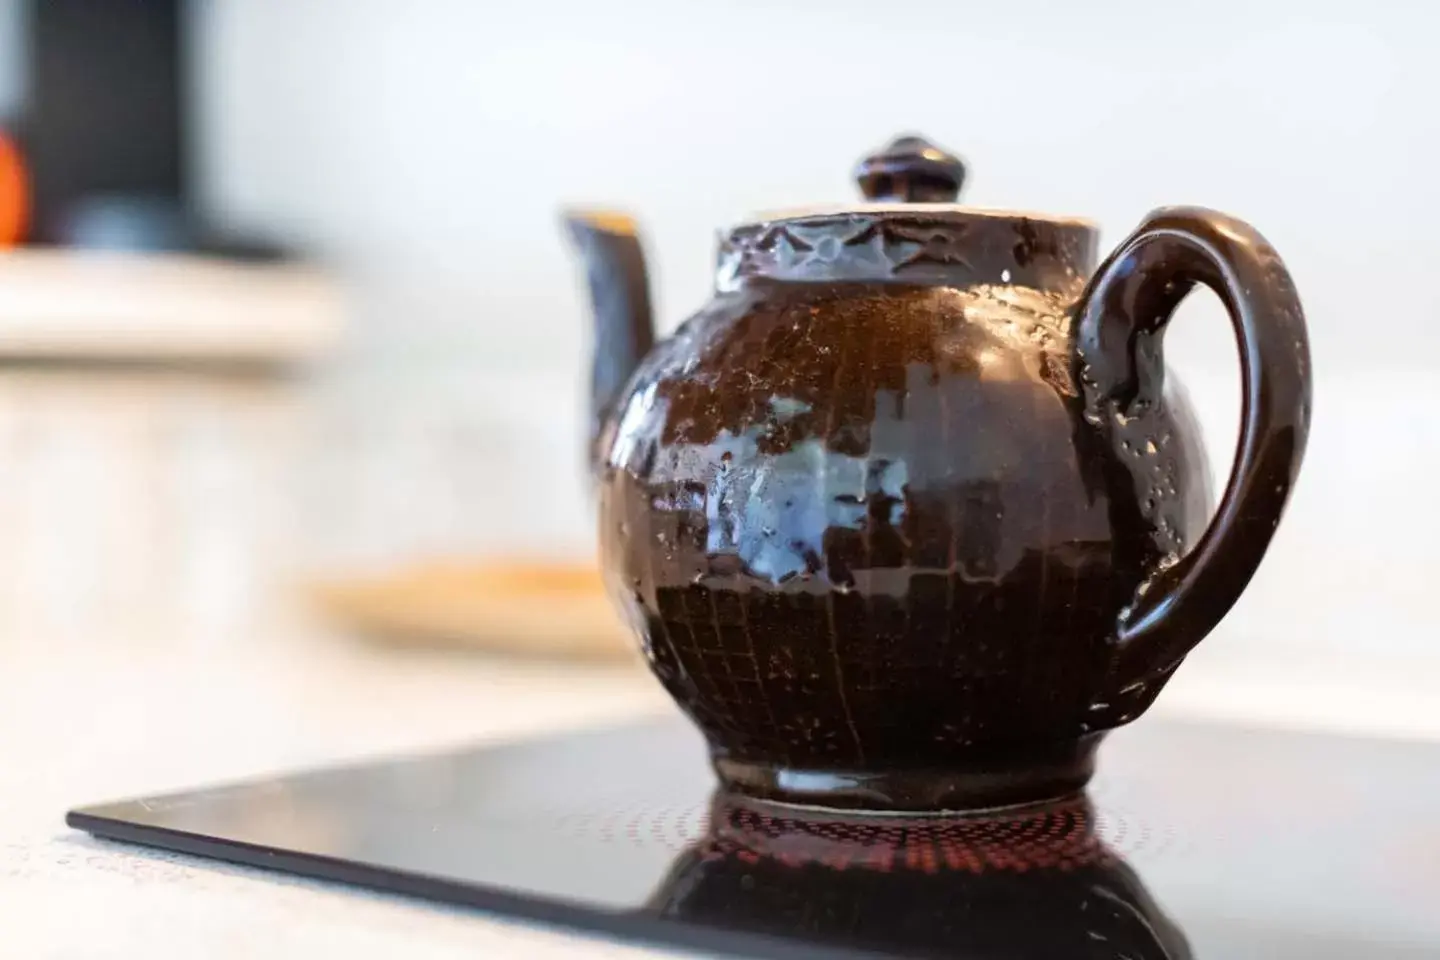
x=81 y=724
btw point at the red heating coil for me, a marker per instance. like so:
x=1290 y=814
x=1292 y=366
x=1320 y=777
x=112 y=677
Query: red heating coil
x=1060 y=837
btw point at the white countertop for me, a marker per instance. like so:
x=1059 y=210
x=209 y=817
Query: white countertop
x=83 y=724
x=89 y=304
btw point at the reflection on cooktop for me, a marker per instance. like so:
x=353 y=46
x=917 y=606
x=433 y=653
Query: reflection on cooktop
x=1035 y=883
x=1200 y=841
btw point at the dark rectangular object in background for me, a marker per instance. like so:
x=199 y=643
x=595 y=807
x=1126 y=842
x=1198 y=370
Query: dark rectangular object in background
x=103 y=104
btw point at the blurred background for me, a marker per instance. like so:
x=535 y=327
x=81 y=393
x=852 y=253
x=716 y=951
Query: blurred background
x=289 y=330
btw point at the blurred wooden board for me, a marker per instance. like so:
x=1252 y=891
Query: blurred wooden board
x=550 y=610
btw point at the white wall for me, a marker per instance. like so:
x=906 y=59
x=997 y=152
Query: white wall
x=430 y=143
x=425 y=147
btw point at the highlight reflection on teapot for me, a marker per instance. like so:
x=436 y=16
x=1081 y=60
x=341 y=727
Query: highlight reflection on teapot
x=906 y=517
x=1035 y=885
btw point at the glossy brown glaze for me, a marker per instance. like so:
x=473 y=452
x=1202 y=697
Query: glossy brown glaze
x=1120 y=325
x=1036 y=884
x=866 y=529
x=910 y=169
x=619 y=297
x=908 y=515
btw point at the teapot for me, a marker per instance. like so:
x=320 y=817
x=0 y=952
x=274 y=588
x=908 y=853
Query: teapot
x=910 y=513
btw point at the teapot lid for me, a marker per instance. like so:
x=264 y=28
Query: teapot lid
x=909 y=230
x=910 y=169
x=910 y=175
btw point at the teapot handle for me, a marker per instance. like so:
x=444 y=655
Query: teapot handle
x=1120 y=321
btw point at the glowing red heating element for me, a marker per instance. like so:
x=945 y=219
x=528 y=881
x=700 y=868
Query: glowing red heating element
x=1060 y=837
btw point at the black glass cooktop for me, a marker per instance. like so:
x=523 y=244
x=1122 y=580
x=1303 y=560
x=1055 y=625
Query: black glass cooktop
x=1195 y=841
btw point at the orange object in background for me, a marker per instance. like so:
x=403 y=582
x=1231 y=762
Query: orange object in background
x=14 y=194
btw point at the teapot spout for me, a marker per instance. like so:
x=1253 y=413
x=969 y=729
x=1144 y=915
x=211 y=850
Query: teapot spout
x=609 y=247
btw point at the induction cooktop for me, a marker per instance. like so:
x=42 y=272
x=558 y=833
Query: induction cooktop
x=1195 y=841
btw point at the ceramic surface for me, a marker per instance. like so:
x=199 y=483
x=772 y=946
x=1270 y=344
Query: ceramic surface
x=908 y=515
x=1037 y=884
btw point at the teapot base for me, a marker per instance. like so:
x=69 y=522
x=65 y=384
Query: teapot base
x=1026 y=774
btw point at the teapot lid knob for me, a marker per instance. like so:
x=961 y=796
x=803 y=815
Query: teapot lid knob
x=911 y=169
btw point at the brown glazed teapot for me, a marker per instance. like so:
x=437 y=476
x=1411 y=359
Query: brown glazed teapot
x=909 y=514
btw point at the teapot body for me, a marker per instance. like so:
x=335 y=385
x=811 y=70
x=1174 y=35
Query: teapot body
x=910 y=515
x=872 y=535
